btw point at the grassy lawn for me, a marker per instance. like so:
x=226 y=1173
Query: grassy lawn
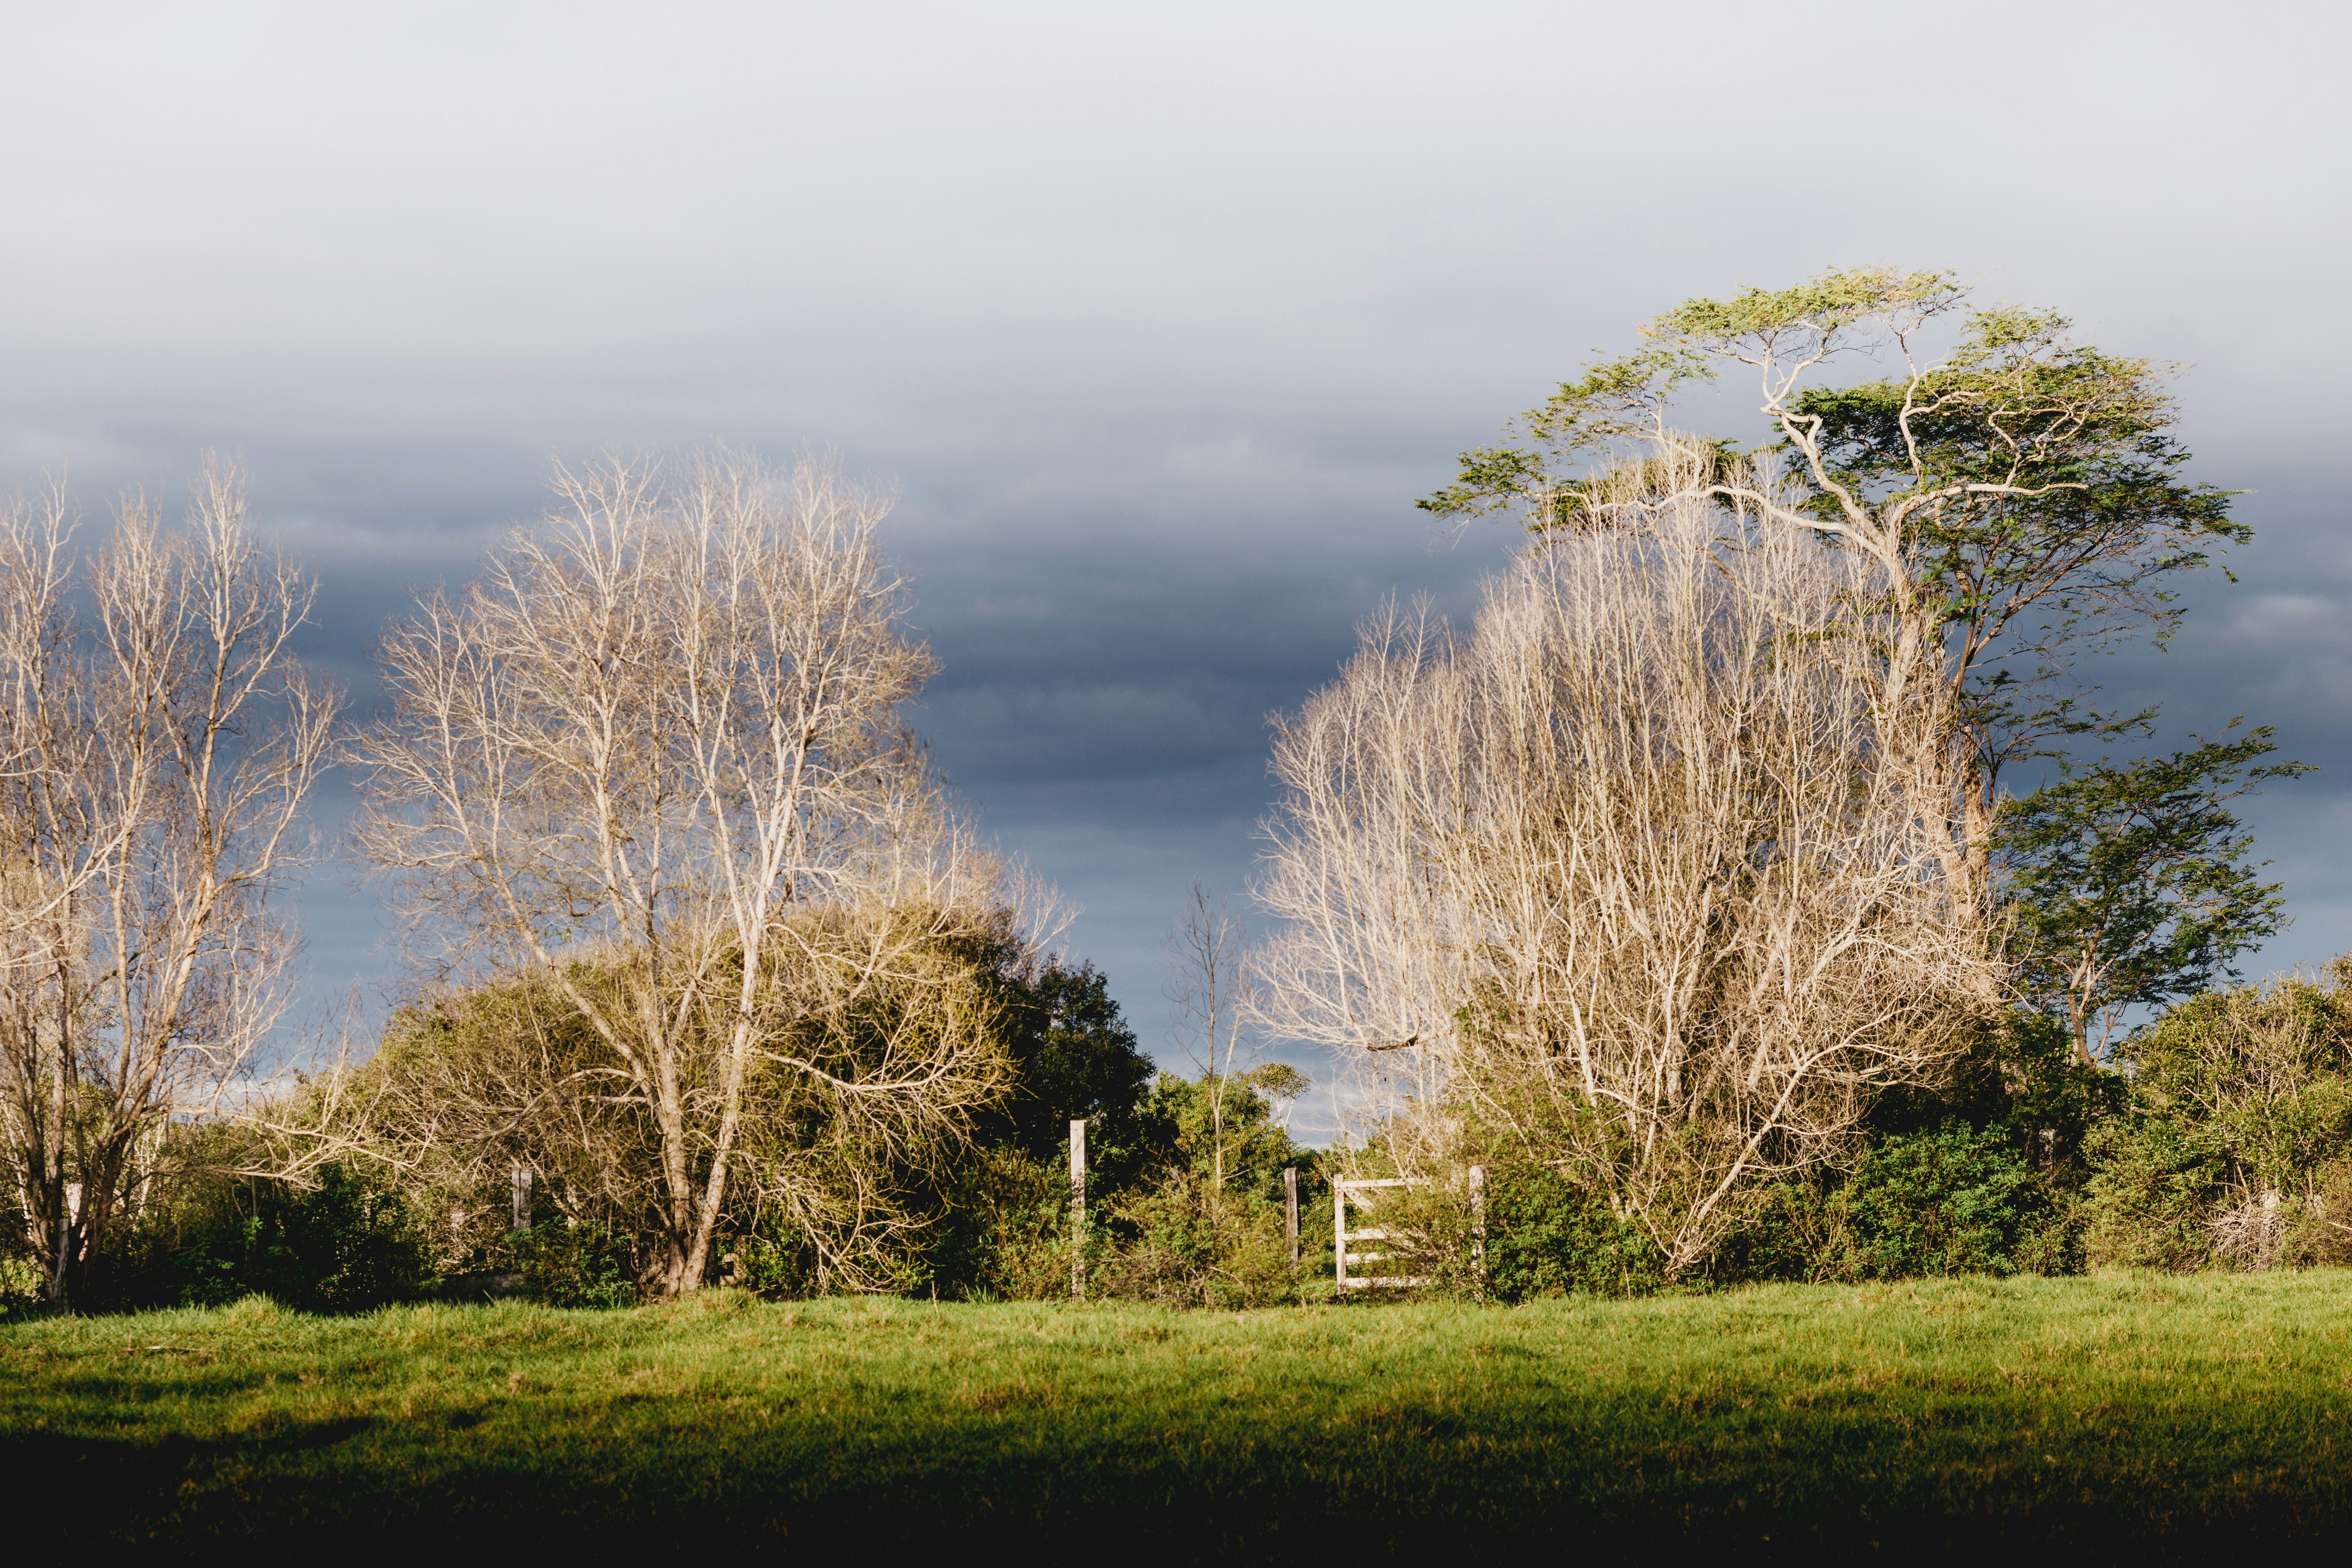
x=2117 y=1413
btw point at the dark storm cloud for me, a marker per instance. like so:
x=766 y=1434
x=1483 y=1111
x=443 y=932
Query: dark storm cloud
x=2274 y=648
x=1158 y=321
x=1123 y=571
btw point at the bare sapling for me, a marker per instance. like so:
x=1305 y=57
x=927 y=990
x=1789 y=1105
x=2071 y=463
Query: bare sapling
x=1210 y=997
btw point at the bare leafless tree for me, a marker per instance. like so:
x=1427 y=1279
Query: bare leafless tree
x=1211 y=996
x=653 y=761
x=158 y=751
x=1651 y=868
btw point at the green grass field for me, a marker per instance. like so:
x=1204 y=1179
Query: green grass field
x=2120 y=1415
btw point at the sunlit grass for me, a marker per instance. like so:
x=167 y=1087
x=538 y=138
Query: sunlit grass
x=2099 y=1411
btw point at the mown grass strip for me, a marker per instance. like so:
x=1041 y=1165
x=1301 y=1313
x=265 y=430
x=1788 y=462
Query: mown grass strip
x=2102 y=1411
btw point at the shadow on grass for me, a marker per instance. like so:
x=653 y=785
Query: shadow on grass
x=1401 y=1481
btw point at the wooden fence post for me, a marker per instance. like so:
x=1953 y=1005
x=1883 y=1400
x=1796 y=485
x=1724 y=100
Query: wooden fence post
x=1339 y=1235
x=1078 y=1210
x=1478 y=1226
x=1290 y=1210
x=522 y=1198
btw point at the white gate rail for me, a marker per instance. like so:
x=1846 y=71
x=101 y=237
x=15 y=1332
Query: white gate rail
x=1364 y=1193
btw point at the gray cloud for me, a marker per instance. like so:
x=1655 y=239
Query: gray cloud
x=1158 y=319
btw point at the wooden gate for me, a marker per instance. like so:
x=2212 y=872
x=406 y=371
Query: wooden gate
x=1364 y=1194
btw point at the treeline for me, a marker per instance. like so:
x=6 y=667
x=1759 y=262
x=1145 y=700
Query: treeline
x=429 y=1209
x=712 y=979
x=1687 y=893
x=2218 y=1137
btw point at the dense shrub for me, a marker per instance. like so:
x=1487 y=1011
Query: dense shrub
x=2158 y=1186
x=2240 y=1120
x=1069 y=1055
x=1547 y=1237
x=21 y=1284
x=1956 y=1200
x=1183 y=1242
x=1183 y=1237
x=1950 y=1200
x=350 y=1243
x=2320 y=1234
x=1942 y=1199
x=564 y=1263
x=1004 y=1227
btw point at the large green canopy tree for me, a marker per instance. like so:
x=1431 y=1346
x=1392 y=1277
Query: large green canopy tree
x=2025 y=493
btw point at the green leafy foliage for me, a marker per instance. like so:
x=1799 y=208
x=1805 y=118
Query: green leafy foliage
x=1256 y=1146
x=2124 y=884
x=1813 y=315
x=1003 y=1229
x=1957 y=1201
x=566 y=1264
x=1180 y=1237
x=2160 y=1183
x=1940 y=1200
x=1182 y=1241
x=1071 y=1057
x=2238 y=1125
x=350 y=1243
x=1617 y=401
x=984 y=1217
x=1547 y=1237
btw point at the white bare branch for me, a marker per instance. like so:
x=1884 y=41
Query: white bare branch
x=156 y=759
x=653 y=764
x=1650 y=866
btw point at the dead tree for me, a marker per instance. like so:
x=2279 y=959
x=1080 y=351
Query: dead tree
x=159 y=750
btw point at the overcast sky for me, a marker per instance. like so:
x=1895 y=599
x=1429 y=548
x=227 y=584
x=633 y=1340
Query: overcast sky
x=1158 y=318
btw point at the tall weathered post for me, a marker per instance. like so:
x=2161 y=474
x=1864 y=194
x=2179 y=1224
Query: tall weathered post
x=1339 y=1237
x=1078 y=1210
x=1478 y=1226
x=522 y=1198
x=1290 y=1210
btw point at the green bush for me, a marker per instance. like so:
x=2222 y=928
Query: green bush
x=347 y=1245
x=2240 y=1115
x=1956 y=1201
x=1950 y=1200
x=23 y=1285
x=1183 y=1242
x=1006 y=1236
x=1546 y=1235
x=574 y=1265
x=2156 y=1186
x=2319 y=1232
